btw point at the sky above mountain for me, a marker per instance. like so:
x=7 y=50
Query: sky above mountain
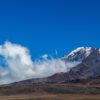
x=52 y=27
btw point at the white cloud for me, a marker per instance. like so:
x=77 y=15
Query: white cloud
x=20 y=65
x=45 y=56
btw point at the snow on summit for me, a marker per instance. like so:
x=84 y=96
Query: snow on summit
x=79 y=54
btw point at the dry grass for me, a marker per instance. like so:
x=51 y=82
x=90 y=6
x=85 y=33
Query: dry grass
x=51 y=97
x=50 y=92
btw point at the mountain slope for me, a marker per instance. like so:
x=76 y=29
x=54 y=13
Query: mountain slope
x=88 y=69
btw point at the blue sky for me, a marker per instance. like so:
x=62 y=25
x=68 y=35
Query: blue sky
x=44 y=26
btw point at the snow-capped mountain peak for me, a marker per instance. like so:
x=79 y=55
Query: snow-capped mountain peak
x=79 y=54
x=86 y=50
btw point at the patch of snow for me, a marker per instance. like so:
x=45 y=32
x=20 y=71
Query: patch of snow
x=99 y=50
x=80 y=53
x=88 y=51
x=76 y=50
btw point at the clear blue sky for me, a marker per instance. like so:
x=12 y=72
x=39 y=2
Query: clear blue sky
x=48 y=25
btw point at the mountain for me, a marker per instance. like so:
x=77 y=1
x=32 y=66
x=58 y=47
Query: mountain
x=86 y=71
x=84 y=77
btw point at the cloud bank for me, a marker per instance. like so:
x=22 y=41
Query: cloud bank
x=18 y=64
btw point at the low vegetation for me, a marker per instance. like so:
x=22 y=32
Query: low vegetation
x=49 y=88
